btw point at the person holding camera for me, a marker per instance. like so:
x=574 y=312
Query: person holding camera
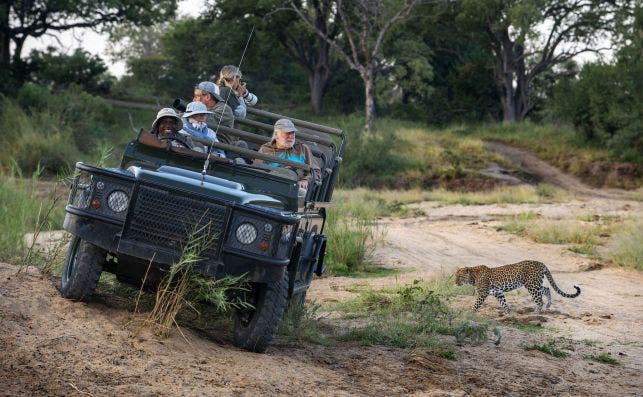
x=234 y=91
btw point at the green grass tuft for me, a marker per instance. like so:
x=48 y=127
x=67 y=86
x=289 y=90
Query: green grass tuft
x=603 y=358
x=549 y=348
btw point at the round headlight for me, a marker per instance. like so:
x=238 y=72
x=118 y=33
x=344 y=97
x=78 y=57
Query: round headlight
x=246 y=233
x=118 y=201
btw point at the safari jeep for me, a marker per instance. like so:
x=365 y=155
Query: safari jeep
x=142 y=213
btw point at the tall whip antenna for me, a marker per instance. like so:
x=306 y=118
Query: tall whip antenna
x=207 y=160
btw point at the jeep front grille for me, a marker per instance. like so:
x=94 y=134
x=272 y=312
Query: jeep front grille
x=164 y=218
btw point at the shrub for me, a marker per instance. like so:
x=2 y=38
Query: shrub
x=626 y=248
x=549 y=347
x=405 y=316
x=20 y=213
x=603 y=358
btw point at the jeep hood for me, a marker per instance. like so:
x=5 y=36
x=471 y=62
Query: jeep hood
x=190 y=181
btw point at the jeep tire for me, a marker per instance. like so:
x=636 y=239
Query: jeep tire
x=81 y=270
x=255 y=328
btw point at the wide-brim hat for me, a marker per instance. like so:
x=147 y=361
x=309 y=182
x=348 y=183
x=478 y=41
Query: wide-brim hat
x=167 y=112
x=195 y=108
x=212 y=88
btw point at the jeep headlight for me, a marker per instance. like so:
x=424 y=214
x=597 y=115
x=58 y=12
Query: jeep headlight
x=246 y=233
x=118 y=201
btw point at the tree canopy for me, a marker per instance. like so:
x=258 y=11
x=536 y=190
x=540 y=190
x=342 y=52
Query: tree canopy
x=23 y=19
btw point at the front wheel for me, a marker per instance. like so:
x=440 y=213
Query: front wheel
x=82 y=269
x=255 y=328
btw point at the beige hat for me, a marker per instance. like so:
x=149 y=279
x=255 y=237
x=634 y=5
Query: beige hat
x=167 y=112
x=285 y=125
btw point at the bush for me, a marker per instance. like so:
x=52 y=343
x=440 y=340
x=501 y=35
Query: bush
x=605 y=104
x=19 y=213
x=626 y=249
x=37 y=140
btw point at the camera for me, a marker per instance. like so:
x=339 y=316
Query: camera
x=179 y=104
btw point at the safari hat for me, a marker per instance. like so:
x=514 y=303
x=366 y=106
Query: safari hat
x=195 y=108
x=210 y=87
x=167 y=112
x=285 y=125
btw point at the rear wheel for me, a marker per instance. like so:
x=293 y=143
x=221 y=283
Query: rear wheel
x=82 y=269
x=255 y=328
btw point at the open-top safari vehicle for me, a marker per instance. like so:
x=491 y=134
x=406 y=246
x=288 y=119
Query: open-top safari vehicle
x=264 y=228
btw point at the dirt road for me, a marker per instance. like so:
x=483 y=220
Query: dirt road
x=50 y=346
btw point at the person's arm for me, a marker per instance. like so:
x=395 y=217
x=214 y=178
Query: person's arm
x=246 y=96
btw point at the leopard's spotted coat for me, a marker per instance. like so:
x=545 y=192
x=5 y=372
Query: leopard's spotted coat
x=495 y=281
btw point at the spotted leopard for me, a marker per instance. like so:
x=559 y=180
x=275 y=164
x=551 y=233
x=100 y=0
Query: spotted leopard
x=495 y=281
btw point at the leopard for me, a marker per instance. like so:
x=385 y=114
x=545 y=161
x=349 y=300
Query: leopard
x=495 y=281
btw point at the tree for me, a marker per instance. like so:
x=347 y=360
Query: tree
x=605 y=102
x=62 y=70
x=364 y=25
x=291 y=34
x=22 y=19
x=529 y=37
x=309 y=50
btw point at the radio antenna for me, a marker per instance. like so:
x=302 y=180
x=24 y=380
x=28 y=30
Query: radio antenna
x=216 y=131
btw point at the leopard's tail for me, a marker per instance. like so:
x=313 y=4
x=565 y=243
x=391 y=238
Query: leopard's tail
x=555 y=287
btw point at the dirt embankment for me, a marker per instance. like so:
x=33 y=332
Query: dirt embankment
x=51 y=346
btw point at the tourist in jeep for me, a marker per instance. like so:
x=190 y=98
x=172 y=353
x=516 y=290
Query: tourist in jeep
x=234 y=91
x=195 y=125
x=283 y=145
x=208 y=93
x=165 y=132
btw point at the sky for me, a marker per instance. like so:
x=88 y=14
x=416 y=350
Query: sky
x=96 y=43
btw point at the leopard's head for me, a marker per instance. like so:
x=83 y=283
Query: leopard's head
x=462 y=275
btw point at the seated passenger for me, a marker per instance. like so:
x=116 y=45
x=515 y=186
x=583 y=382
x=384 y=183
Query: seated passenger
x=166 y=126
x=283 y=145
x=208 y=93
x=234 y=90
x=195 y=125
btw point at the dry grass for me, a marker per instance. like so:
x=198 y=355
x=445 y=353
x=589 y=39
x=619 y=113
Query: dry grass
x=626 y=247
x=172 y=292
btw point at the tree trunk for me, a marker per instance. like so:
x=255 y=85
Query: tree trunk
x=512 y=80
x=369 y=96
x=318 y=80
x=5 y=40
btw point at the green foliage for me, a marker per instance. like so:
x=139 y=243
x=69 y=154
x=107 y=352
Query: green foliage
x=182 y=287
x=52 y=131
x=605 y=103
x=27 y=21
x=603 y=358
x=549 y=347
x=21 y=212
x=474 y=331
x=350 y=241
x=584 y=249
x=61 y=70
x=405 y=316
x=301 y=323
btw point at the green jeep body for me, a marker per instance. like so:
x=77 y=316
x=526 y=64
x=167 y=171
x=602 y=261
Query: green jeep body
x=142 y=213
